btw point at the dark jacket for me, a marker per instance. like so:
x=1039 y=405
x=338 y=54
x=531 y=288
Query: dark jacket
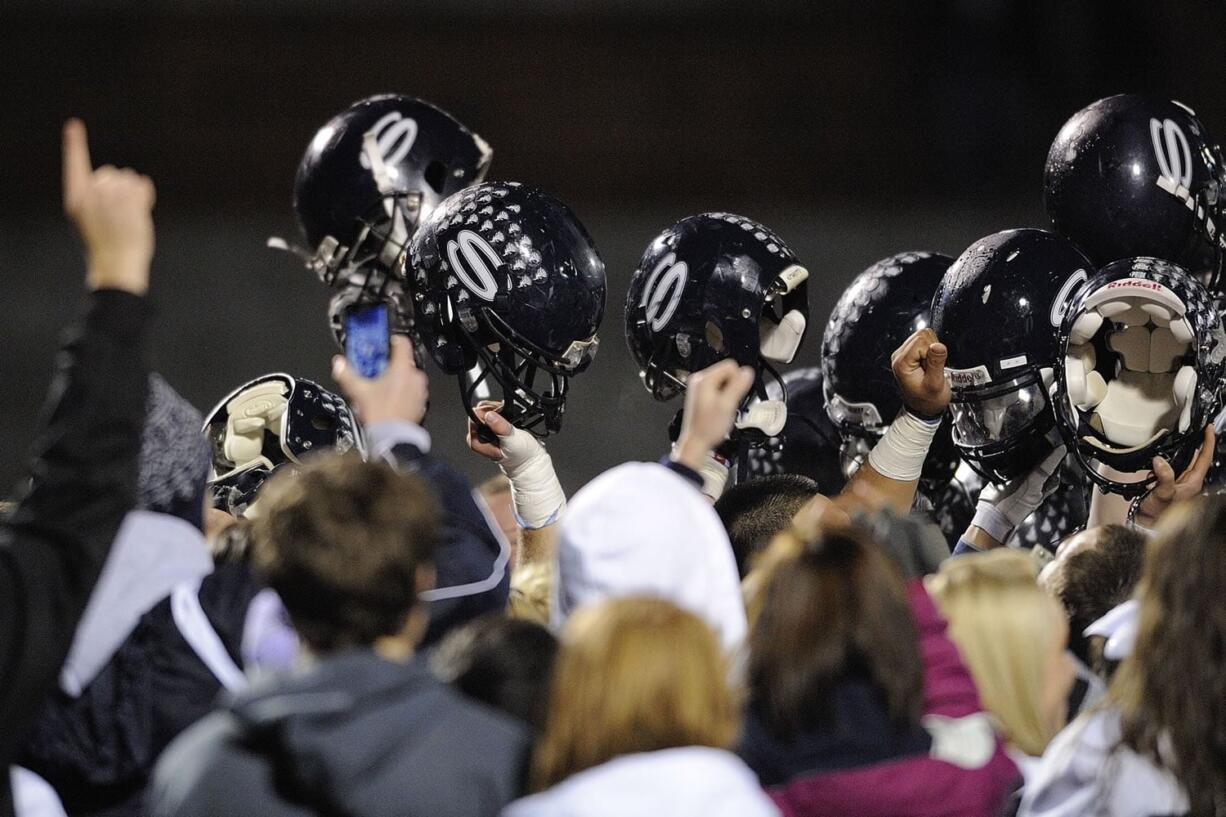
x=355 y=735
x=98 y=748
x=951 y=765
x=472 y=567
x=82 y=482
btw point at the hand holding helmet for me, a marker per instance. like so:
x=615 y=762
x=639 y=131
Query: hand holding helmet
x=522 y=458
x=1002 y=508
x=1170 y=489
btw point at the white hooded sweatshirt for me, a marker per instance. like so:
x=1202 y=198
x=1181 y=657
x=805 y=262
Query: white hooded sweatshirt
x=693 y=781
x=643 y=529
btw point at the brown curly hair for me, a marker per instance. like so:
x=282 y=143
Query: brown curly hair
x=1171 y=690
x=341 y=541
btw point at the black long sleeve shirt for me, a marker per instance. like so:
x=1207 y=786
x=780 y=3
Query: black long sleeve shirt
x=82 y=482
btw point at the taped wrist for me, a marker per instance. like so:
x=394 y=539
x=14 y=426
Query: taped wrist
x=535 y=490
x=900 y=454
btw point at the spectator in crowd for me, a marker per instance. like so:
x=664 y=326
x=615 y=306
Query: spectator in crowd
x=84 y=464
x=366 y=729
x=754 y=512
x=641 y=721
x=503 y=662
x=1158 y=745
x=646 y=528
x=1012 y=636
x=872 y=712
x=1093 y=572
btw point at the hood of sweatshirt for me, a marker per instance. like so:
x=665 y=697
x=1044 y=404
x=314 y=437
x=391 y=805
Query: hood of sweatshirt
x=692 y=781
x=642 y=529
x=357 y=732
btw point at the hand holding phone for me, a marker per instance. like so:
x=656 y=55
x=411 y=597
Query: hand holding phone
x=367 y=339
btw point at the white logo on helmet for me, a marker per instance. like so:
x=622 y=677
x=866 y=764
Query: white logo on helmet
x=1060 y=305
x=473 y=261
x=395 y=135
x=1173 y=154
x=662 y=294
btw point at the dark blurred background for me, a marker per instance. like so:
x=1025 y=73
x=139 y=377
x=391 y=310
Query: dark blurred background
x=854 y=128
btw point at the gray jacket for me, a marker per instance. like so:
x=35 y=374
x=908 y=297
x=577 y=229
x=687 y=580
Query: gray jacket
x=354 y=735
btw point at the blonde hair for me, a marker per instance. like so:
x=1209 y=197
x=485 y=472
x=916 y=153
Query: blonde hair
x=633 y=675
x=1004 y=625
x=531 y=590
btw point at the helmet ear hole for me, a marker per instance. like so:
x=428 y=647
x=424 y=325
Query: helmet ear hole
x=436 y=176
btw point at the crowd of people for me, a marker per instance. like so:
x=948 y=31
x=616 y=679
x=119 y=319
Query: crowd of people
x=969 y=565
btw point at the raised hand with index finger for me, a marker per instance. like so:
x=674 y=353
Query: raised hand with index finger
x=112 y=210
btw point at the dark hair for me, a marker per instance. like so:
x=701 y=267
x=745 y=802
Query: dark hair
x=1092 y=581
x=1171 y=690
x=755 y=511
x=836 y=611
x=500 y=661
x=341 y=541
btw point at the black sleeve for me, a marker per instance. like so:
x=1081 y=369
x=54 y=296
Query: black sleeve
x=82 y=481
x=472 y=562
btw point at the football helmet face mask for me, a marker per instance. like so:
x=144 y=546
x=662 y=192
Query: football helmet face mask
x=271 y=421
x=710 y=287
x=809 y=444
x=1132 y=176
x=507 y=290
x=879 y=310
x=998 y=310
x=1142 y=360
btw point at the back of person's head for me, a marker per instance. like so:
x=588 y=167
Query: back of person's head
x=833 y=610
x=754 y=512
x=500 y=661
x=1093 y=572
x=1012 y=637
x=634 y=675
x=1171 y=690
x=347 y=545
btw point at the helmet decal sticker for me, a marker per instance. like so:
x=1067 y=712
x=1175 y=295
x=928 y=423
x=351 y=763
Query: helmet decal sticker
x=1173 y=155
x=480 y=257
x=663 y=291
x=1065 y=295
x=394 y=134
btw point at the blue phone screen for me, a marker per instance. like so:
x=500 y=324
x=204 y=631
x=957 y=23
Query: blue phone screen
x=367 y=339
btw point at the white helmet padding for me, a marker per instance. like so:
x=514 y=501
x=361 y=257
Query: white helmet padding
x=1151 y=391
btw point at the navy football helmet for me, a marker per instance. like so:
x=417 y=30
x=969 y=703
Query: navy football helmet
x=373 y=173
x=1140 y=372
x=507 y=286
x=1132 y=176
x=262 y=425
x=368 y=178
x=879 y=310
x=998 y=310
x=710 y=287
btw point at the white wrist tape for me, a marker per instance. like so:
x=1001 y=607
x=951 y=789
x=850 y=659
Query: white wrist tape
x=535 y=490
x=714 y=477
x=900 y=454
